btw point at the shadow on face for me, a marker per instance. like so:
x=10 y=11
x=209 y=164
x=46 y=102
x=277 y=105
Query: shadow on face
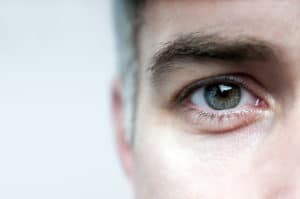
x=218 y=100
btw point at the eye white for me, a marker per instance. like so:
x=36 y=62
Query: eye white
x=198 y=98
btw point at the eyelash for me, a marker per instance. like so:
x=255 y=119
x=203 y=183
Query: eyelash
x=225 y=120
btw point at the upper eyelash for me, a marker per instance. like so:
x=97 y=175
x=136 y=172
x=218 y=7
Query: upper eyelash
x=228 y=120
x=188 y=90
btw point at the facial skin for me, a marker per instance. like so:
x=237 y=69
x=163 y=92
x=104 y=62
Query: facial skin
x=185 y=149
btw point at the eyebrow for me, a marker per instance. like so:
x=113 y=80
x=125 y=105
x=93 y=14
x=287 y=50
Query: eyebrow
x=209 y=47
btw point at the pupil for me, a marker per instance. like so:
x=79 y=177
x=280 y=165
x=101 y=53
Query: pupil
x=223 y=96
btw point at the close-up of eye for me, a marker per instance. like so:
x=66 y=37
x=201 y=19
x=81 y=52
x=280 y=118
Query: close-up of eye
x=222 y=96
x=224 y=103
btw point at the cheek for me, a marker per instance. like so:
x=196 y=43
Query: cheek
x=172 y=164
x=166 y=169
x=162 y=171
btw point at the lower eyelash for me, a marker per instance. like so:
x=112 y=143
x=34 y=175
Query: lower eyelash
x=204 y=121
x=223 y=122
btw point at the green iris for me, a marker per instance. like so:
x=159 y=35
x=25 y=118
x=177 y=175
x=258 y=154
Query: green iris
x=223 y=96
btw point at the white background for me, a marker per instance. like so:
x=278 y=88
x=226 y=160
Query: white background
x=57 y=60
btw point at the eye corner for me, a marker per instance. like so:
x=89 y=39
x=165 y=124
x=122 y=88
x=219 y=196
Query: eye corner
x=229 y=119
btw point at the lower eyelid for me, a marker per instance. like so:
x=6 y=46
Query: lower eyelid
x=225 y=121
x=258 y=107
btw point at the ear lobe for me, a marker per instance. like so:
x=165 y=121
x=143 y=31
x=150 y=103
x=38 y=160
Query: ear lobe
x=124 y=147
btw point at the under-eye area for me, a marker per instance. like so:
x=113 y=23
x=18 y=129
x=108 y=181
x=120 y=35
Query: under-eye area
x=222 y=103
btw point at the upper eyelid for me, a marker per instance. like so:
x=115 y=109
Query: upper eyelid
x=214 y=47
x=199 y=119
x=186 y=91
x=241 y=79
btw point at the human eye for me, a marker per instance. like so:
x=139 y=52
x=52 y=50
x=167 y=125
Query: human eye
x=224 y=103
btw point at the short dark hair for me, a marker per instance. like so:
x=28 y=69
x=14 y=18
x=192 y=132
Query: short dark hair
x=128 y=17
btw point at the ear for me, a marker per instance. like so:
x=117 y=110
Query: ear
x=124 y=146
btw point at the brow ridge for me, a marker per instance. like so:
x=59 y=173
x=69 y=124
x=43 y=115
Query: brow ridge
x=212 y=47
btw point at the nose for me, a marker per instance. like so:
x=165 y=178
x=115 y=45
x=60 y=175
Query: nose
x=277 y=165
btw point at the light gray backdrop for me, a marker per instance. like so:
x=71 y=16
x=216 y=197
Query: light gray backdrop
x=56 y=63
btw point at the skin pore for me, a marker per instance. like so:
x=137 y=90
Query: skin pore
x=185 y=149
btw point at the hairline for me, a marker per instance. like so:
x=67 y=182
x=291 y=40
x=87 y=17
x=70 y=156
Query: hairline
x=127 y=16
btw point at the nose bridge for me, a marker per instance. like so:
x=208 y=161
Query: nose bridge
x=287 y=134
x=278 y=163
x=287 y=137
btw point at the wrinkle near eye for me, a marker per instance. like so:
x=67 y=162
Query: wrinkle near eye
x=222 y=103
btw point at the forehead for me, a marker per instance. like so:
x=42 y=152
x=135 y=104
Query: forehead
x=205 y=12
x=267 y=20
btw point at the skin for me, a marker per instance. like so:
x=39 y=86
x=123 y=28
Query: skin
x=173 y=157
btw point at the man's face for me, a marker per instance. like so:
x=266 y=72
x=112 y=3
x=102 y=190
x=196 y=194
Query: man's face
x=218 y=100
